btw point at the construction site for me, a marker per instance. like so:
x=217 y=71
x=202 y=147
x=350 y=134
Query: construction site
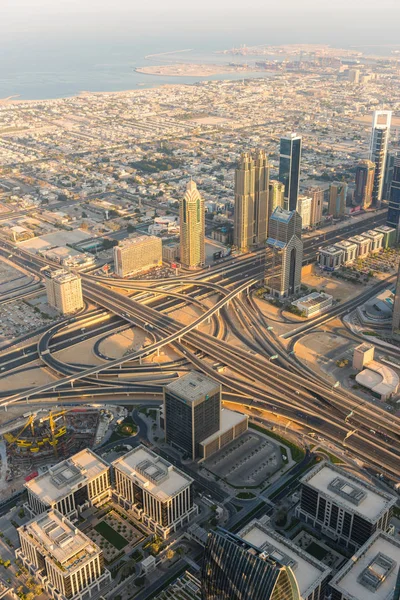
x=44 y=439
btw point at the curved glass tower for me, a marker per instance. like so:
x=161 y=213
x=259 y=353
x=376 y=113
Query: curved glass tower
x=235 y=570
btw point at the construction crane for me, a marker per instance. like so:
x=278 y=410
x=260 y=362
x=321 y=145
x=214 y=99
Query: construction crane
x=16 y=439
x=56 y=432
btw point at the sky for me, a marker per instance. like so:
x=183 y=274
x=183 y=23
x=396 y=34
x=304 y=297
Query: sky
x=334 y=21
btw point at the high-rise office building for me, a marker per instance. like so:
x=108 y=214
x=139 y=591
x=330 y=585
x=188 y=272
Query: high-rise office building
x=251 y=201
x=236 y=570
x=387 y=180
x=317 y=204
x=393 y=216
x=365 y=173
x=62 y=559
x=276 y=196
x=344 y=507
x=64 y=291
x=192 y=223
x=337 y=199
x=289 y=168
x=304 y=205
x=284 y=254
x=378 y=150
x=396 y=310
x=192 y=411
x=137 y=254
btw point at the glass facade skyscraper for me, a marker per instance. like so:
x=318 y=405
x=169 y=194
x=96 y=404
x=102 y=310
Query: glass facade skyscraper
x=235 y=570
x=378 y=151
x=289 y=168
x=393 y=216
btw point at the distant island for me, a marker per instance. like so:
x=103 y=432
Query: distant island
x=192 y=70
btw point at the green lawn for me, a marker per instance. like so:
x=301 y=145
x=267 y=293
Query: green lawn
x=111 y=535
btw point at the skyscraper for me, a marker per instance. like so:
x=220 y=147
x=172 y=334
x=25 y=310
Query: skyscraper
x=192 y=411
x=276 y=196
x=251 y=201
x=365 y=173
x=304 y=210
x=378 y=150
x=64 y=291
x=289 y=168
x=192 y=223
x=284 y=253
x=337 y=199
x=136 y=254
x=236 y=570
x=393 y=216
x=317 y=204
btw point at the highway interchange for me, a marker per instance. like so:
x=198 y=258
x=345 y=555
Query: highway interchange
x=223 y=296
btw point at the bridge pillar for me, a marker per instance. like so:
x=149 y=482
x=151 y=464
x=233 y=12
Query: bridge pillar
x=158 y=351
x=97 y=375
x=140 y=360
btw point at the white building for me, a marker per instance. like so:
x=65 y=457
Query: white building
x=371 y=573
x=304 y=206
x=311 y=574
x=380 y=379
x=158 y=494
x=343 y=507
x=63 y=560
x=71 y=486
x=330 y=258
x=363 y=245
x=137 y=254
x=64 y=291
x=376 y=238
x=314 y=304
x=349 y=249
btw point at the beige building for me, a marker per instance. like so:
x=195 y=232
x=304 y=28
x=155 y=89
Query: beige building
x=276 y=196
x=137 y=254
x=317 y=204
x=157 y=493
x=364 y=186
x=71 y=486
x=192 y=223
x=337 y=199
x=251 y=201
x=63 y=560
x=64 y=291
x=363 y=354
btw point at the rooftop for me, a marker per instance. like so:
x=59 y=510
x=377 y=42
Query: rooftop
x=313 y=299
x=153 y=473
x=193 y=387
x=380 y=379
x=346 y=245
x=364 y=347
x=356 y=495
x=330 y=250
x=280 y=214
x=66 y=476
x=59 y=539
x=358 y=239
x=309 y=572
x=229 y=419
x=62 y=275
x=371 y=573
x=136 y=241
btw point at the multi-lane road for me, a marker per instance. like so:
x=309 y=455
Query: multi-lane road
x=282 y=385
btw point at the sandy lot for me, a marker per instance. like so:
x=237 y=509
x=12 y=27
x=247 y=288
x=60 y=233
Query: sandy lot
x=339 y=289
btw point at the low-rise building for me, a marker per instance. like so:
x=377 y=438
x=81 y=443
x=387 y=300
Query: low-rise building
x=376 y=238
x=232 y=425
x=62 y=559
x=389 y=235
x=311 y=574
x=381 y=380
x=363 y=245
x=349 y=251
x=371 y=574
x=137 y=254
x=314 y=304
x=71 y=486
x=330 y=258
x=362 y=355
x=157 y=493
x=170 y=252
x=342 y=506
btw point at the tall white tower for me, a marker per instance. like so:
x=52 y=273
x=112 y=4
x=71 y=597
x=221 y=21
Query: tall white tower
x=378 y=150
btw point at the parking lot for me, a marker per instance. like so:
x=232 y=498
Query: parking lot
x=248 y=460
